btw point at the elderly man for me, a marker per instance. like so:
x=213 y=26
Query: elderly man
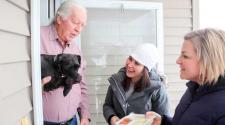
x=59 y=37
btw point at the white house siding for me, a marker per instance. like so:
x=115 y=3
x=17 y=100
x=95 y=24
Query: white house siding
x=177 y=22
x=15 y=65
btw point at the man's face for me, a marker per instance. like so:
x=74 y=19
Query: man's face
x=72 y=25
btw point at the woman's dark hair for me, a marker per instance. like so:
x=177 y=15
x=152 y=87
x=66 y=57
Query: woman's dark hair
x=141 y=84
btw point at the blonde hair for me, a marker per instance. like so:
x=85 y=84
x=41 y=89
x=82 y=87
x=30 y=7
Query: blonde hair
x=209 y=45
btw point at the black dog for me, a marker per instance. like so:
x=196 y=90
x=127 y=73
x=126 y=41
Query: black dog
x=63 y=69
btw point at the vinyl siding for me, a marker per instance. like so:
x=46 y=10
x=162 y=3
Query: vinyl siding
x=15 y=65
x=178 y=18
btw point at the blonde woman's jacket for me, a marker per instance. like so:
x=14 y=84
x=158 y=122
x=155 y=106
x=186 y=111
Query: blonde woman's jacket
x=200 y=105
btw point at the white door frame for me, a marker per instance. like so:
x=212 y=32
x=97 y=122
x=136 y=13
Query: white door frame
x=36 y=63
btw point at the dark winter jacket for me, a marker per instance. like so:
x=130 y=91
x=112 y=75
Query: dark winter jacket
x=200 y=105
x=152 y=98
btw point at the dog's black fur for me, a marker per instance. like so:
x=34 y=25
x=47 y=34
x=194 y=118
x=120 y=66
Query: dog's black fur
x=63 y=69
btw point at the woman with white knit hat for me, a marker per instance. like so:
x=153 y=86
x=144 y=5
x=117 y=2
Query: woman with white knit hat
x=137 y=87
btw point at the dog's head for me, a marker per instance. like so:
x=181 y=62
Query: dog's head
x=68 y=64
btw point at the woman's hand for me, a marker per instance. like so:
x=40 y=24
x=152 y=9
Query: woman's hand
x=157 y=119
x=113 y=120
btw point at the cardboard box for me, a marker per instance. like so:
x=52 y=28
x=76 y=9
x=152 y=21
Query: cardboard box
x=135 y=119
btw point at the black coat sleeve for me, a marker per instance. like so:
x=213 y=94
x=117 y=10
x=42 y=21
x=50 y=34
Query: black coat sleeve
x=166 y=120
x=108 y=108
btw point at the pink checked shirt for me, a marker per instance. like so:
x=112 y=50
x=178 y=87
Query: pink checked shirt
x=58 y=108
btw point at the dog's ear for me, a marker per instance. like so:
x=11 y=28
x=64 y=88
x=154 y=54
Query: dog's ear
x=77 y=59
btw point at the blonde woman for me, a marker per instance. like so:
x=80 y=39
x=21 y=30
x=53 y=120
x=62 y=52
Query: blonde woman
x=202 y=61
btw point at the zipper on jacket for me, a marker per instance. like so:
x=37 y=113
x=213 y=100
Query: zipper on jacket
x=124 y=98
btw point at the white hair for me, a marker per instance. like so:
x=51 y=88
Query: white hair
x=64 y=9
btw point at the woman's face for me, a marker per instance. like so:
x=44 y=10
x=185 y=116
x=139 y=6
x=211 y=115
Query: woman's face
x=134 y=69
x=188 y=62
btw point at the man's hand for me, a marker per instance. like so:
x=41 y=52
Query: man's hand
x=157 y=119
x=84 y=121
x=46 y=80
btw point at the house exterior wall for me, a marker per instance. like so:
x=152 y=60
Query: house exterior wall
x=15 y=69
x=180 y=17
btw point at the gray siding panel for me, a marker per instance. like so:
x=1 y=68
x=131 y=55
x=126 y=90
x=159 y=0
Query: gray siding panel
x=14 y=107
x=173 y=41
x=177 y=13
x=15 y=68
x=174 y=31
x=15 y=19
x=177 y=4
x=171 y=69
x=173 y=50
x=14 y=77
x=23 y=4
x=170 y=59
x=174 y=79
x=14 y=48
x=178 y=20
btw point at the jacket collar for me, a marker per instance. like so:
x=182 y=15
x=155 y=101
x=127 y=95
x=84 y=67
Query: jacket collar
x=198 y=91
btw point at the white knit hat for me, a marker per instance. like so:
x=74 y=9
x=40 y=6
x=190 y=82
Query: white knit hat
x=146 y=54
